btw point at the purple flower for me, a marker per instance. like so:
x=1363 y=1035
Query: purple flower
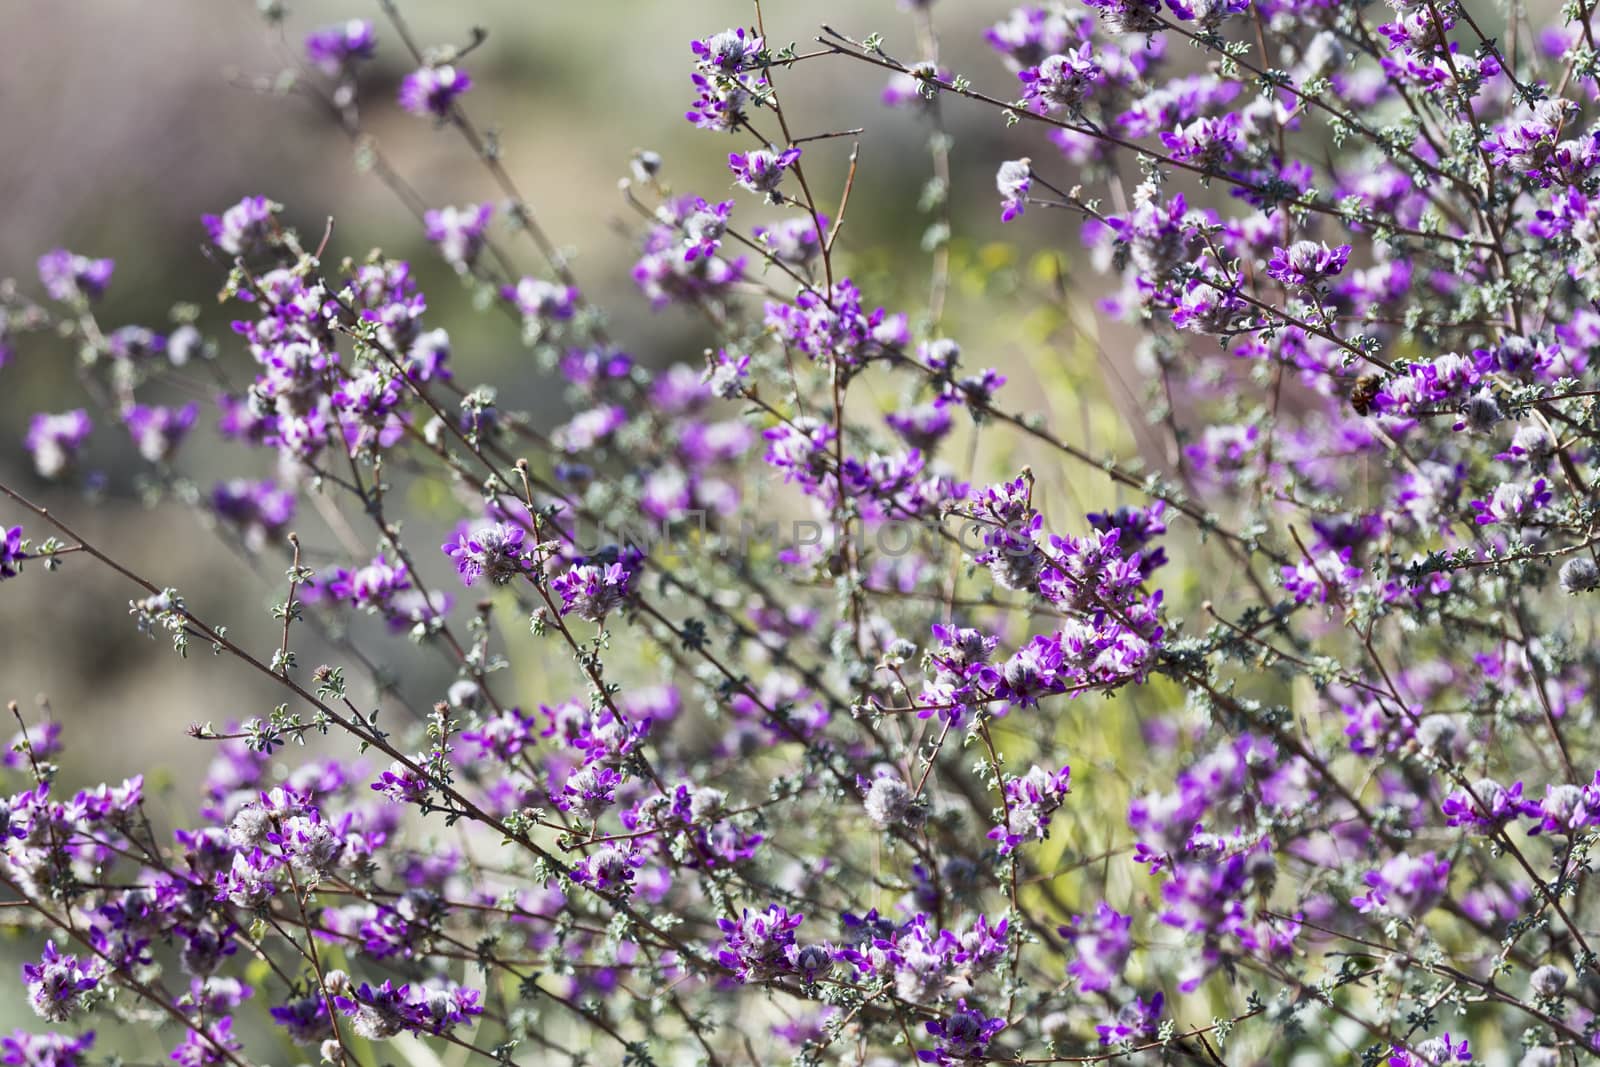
x=679 y=262
x=11 y=554
x=1512 y=502
x=1030 y=34
x=1030 y=801
x=592 y=591
x=433 y=90
x=434 y=1007
x=728 y=52
x=922 y=427
x=261 y=510
x=337 y=49
x=755 y=947
x=964 y=1034
x=837 y=329
x=1306 y=263
x=1061 y=82
x=1488 y=807
x=55 y=441
x=1102 y=944
x=1129 y=16
x=207 y=1046
x=1567 y=809
x=158 y=431
x=67 y=276
x=761 y=170
x=57 y=983
x=1531 y=146
x=244 y=227
x=914 y=87
x=542 y=302
x=402 y=785
x=306 y=1019
x=494 y=551
x=248 y=882
x=610 y=869
x=1138 y=1020
x=23 y=1049
x=720 y=102
x=703 y=228
x=1206 y=142
x=1434 y=1052
x=372 y=587
x=794 y=240
x=1208 y=13
x=459 y=233
x=1406 y=886
x=1326 y=578
x=1013 y=179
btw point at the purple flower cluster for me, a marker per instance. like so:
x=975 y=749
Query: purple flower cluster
x=433 y=91
x=67 y=276
x=336 y=50
x=1314 y=626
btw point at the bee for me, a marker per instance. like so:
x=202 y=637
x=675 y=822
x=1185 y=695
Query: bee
x=1364 y=392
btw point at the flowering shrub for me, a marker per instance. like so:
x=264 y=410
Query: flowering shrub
x=807 y=796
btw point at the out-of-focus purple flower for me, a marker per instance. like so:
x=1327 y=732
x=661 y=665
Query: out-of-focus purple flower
x=459 y=232
x=1405 y=885
x=727 y=52
x=157 y=431
x=305 y=1019
x=243 y=227
x=433 y=90
x=794 y=240
x=56 y=984
x=68 y=276
x=542 y=302
x=208 y=1046
x=23 y=1049
x=337 y=49
x=54 y=441
x=261 y=510
x=1136 y=1020
x=1102 y=943
x=372 y=587
x=914 y=87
